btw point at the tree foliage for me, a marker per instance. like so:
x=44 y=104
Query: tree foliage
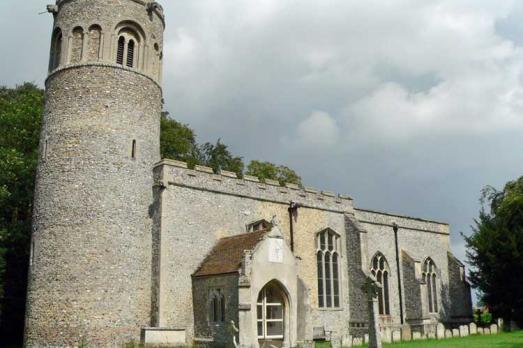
x=495 y=250
x=178 y=141
x=268 y=170
x=20 y=116
x=218 y=157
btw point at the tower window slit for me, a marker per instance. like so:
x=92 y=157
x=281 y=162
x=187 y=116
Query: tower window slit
x=133 y=150
x=119 y=53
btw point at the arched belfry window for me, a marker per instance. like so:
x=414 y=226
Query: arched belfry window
x=430 y=278
x=120 y=52
x=328 y=268
x=56 y=49
x=77 y=45
x=129 y=44
x=380 y=270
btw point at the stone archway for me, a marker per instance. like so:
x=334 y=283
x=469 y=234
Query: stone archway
x=272 y=316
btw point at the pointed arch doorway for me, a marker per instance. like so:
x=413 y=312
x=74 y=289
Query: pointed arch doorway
x=272 y=316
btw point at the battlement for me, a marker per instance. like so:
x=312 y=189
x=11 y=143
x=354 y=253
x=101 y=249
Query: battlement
x=170 y=172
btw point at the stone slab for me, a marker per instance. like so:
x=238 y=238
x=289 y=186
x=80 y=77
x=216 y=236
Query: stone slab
x=396 y=336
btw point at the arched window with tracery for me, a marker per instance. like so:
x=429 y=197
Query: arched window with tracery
x=381 y=271
x=130 y=41
x=430 y=278
x=77 y=45
x=95 y=40
x=56 y=49
x=328 y=268
x=216 y=306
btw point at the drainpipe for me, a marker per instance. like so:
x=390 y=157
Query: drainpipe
x=293 y=214
x=395 y=227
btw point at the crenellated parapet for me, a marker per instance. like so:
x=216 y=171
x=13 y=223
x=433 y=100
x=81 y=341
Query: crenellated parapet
x=171 y=172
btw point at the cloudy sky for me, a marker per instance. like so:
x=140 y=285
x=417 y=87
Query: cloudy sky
x=409 y=106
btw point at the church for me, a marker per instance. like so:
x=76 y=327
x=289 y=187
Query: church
x=128 y=247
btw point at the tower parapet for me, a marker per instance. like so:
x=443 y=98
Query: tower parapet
x=90 y=273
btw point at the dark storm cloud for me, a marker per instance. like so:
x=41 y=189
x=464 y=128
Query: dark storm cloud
x=409 y=106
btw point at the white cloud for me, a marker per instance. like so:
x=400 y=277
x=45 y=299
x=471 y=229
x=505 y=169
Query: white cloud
x=317 y=130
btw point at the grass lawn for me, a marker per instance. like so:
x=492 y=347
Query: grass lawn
x=503 y=340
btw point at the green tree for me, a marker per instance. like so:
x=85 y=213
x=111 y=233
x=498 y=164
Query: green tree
x=495 y=250
x=267 y=170
x=218 y=157
x=20 y=117
x=178 y=141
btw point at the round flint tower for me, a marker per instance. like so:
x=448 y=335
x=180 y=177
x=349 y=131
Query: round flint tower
x=90 y=275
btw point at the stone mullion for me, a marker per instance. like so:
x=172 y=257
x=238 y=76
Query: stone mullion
x=324 y=279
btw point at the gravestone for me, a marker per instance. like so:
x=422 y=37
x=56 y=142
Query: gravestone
x=500 y=324
x=455 y=333
x=357 y=341
x=448 y=333
x=416 y=335
x=486 y=331
x=386 y=335
x=440 y=331
x=336 y=342
x=396 y=336
x=463 y=330
x=431 y=334
x=473 y=328
x=406 y=333
x=481 y=331
x=366 y=339
x=493 y=329
x=346 y=341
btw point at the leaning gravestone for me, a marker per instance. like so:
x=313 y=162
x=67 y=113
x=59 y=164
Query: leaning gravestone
x=473 y=328
x=493 y=329
x=440 y=331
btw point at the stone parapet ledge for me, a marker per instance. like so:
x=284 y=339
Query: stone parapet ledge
x=203 y=178
x=402 y=221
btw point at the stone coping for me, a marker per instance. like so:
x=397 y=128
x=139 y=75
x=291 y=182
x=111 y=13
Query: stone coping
x=400 y=216
x=158 y=12
x=203 y=178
